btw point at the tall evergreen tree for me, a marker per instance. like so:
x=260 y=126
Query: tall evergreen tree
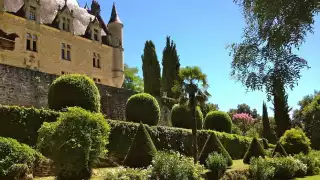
x=151 y=69
x=266 y=130
x=170 y=67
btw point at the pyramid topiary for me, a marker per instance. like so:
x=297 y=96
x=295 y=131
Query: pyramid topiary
x=213 y=144
x=255 y=150
x=265 y=143
x=279 y=150
x=142 y=149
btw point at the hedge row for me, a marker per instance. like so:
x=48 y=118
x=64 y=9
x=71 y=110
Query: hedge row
x=167 y=138
x=22 y=123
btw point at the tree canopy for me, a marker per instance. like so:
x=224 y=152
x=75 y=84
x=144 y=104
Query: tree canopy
x=132 y=81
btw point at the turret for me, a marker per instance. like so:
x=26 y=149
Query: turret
x=95 y=8
x=115 y=27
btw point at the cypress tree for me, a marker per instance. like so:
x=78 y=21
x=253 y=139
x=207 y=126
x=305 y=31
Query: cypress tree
x=266 y=130
x=213 y=144
x=142 y=149
x=255 y=150
x=151 y=69
x=279 y=150
x=170 y=67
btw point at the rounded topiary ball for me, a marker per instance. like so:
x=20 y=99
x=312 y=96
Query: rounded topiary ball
x=143 y=108
x=218 y=121
x=74 y=90
x=295 y=141
x=181 y=117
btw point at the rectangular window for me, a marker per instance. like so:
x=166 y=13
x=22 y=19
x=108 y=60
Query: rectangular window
x=66 y=52
x=31 y=42
x=32 y=15
x=95 y=34
x=94 y=79
x=68 y=25
x=99 y=81
x=96 y=60
x=62 y=72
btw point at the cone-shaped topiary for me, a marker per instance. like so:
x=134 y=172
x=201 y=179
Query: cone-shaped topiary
x=144 y=108
x=218 y=121
x=142 y=149
x=255 y=150
x=279 y=150
x=181 y=116
x=265 y=143
x=213 y=144
x=74 y=90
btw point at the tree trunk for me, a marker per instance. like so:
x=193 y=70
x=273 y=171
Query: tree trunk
x=194 y=127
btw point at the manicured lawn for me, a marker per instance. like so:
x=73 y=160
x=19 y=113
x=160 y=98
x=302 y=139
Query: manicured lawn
x=238 y=165
x=310 y=178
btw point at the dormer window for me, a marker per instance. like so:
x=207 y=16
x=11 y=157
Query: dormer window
x=66 y=24
x=32 y=14
x=96 y=35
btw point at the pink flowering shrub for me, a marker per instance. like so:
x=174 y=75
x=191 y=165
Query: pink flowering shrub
x=243 y=120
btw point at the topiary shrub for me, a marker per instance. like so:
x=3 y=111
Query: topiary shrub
x=143 y=108
x=295 y=141
x=219 y=121
x=169 y=166
x=213 y=144
x=75 y=142
x=142 y=149
x=217 y=165
x=181 y=116
x=279 y=150
x=16 y=159
x=265 y=143
x=255 y=150
x=74 y=90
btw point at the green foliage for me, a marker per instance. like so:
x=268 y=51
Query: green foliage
x=207 y=107
x=241 y=174
x=143 y=108
x=279 y=150
x=127 y=174
x=142 y=149
x=266 y=130
x=217 y=165
x=260 y=170
x=75 y=142
x=151 y=69
x=312 y=162
x=74 y=90
x=16 y=158
x=236 y=130
x=265 y=143
x=213 y=144
x=295 y=141
x=181 y=116
x=168 y=138
x=170 y=67
x=219 y=121
x=168 y=166
x=255 y=150
x=132 y=81
x=22 y=123
x=17 y=172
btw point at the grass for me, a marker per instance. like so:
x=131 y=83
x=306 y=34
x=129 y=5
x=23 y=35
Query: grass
x=238 y=165
x=309 y=178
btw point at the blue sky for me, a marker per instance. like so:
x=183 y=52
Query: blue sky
x=201 y=30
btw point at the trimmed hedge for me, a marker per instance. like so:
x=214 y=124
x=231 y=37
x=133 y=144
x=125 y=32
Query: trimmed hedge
x=295 y=141
x=144 y=108
x=279 y=150
x=255 y=150
x=74 y=90
x=22 y=123
x=142 y=149
x=181 y=117
x=168 y=138
x=218 y=121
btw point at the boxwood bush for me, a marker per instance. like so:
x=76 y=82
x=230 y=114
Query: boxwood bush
x=181 y=116
x=75 y=142
x=218 y=121
x=16 y=159
x=217 y=164
x=143 y=108
x=22 y=123
x=168 y=138
x=74 y=90
x=295 y=141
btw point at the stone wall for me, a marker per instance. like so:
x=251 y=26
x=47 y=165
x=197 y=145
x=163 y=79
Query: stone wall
x=25 y=87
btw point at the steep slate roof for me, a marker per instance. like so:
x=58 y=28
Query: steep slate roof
x=114 y=15
x=49 y=9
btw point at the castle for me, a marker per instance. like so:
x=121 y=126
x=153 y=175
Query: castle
x=60 y=37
